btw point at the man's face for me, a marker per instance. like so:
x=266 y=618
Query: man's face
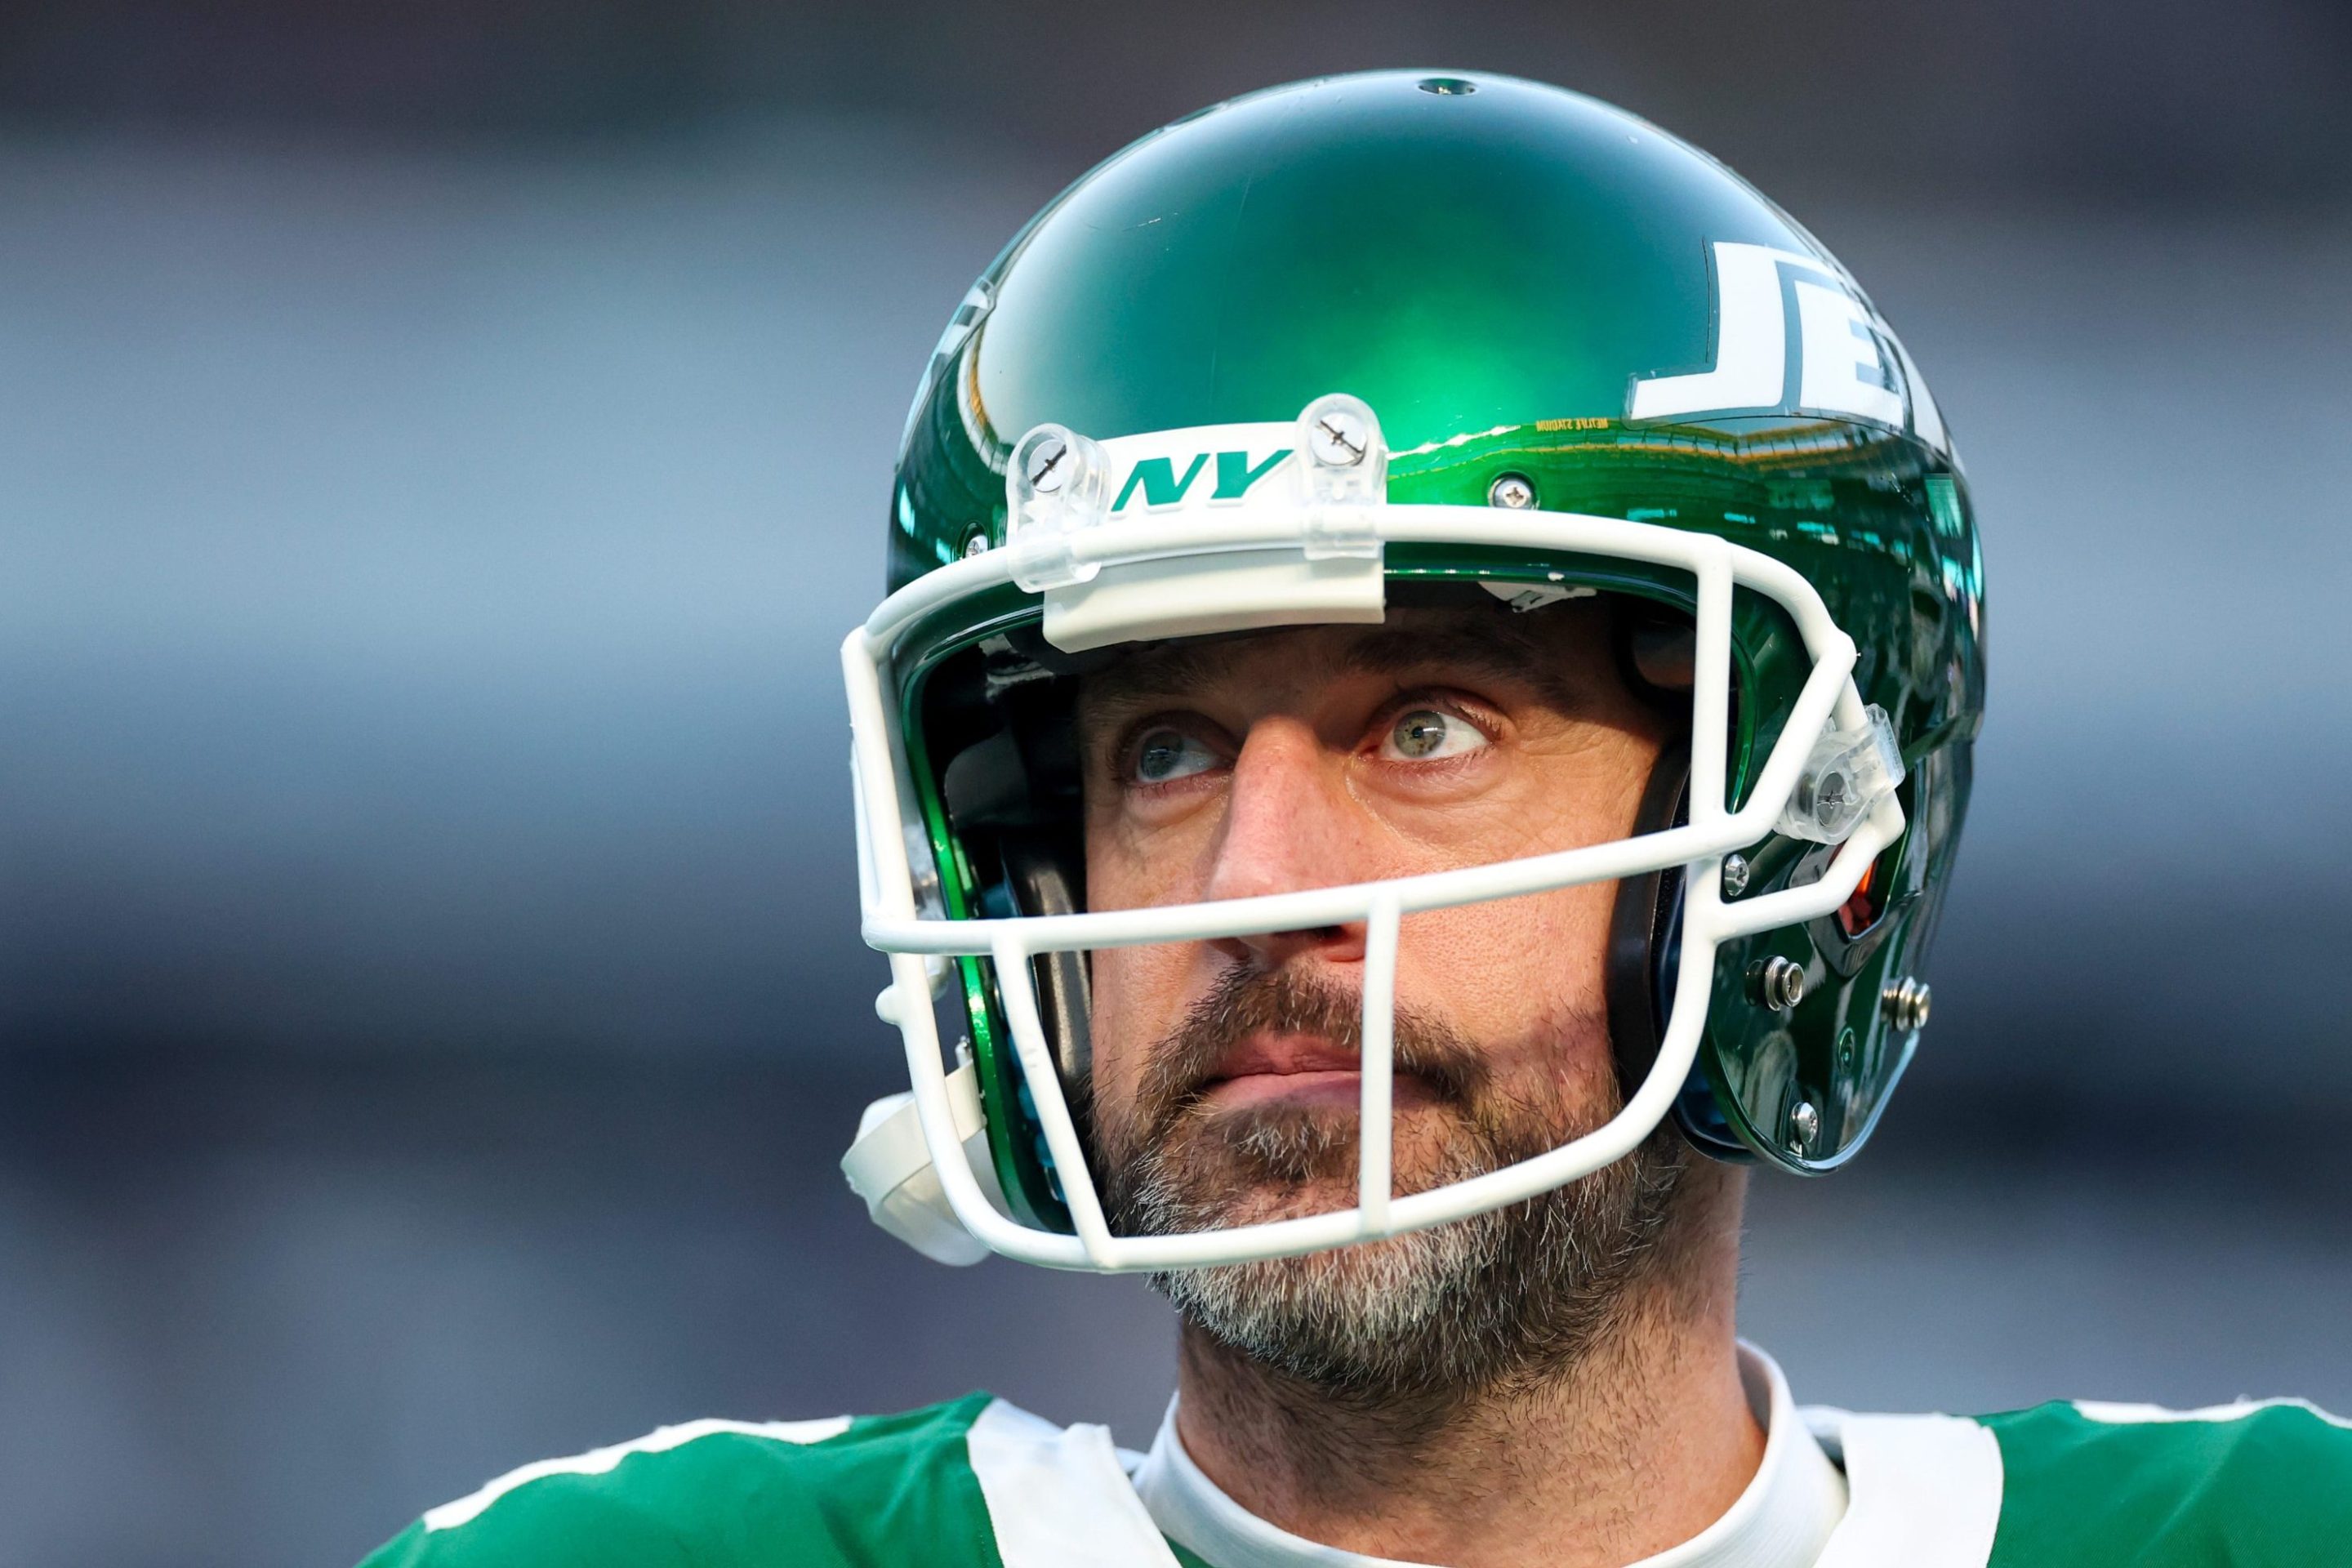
x=1224 y=1085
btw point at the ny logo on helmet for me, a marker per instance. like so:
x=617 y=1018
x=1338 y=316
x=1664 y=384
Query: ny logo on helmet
x=1843 y=358
x=1160 y=483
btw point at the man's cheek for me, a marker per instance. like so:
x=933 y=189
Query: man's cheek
x=1133 y=1008
x=1494 y=967
x=1107 y=1037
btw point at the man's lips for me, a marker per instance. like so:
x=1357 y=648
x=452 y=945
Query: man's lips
x=1298 y=1068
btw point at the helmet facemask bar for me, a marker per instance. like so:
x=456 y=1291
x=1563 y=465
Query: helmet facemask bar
x=1827 y=718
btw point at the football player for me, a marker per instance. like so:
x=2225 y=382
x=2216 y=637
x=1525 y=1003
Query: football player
x=1419 y=732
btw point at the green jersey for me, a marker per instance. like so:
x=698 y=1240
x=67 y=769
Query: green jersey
x=978 y=1483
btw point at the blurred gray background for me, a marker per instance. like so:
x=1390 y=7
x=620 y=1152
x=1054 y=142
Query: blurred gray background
x=441 y=445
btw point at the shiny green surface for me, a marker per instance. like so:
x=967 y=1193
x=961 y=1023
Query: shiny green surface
x=1492 y=271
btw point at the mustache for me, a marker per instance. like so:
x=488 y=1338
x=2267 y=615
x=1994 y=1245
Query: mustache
x=1244 y=1003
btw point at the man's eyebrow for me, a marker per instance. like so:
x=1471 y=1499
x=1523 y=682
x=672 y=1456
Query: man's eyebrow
x=1502 y=646
x=1505 y=649
x=1166 y=670
x=1493 y=647
x=1168 y=666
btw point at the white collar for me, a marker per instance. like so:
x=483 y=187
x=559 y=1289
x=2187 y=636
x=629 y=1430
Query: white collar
x=1781 y=1521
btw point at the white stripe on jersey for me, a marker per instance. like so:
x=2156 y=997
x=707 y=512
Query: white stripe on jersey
x=597 y=1461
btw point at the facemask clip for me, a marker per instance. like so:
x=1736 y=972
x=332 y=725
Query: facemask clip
x=1343 y=466
x=1056 y=488
x=1850 y=772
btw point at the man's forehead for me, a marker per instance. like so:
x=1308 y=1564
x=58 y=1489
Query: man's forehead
x=1490 y=640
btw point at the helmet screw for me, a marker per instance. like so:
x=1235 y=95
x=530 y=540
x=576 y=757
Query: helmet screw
x=1777 y=982
x=1804 y=1126
x=976 y=545
x=1511 y=491
x=1337 y=439
x=1905 y=1004
x=1735 y=875
x=1046 y=467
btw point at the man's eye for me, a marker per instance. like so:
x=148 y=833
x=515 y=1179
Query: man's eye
x=1427 y=734
x=1165 y=755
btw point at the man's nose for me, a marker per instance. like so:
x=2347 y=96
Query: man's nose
x=1290 y=824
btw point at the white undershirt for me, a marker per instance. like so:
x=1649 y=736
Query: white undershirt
x=1781 y=1520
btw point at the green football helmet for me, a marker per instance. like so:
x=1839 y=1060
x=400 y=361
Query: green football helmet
x=1403 y=338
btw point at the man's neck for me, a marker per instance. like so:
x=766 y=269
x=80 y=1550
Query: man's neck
x=1645 y=1440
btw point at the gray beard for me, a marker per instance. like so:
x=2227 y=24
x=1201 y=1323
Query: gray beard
x=1511 y=1298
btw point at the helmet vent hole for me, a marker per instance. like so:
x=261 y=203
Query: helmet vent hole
x=1447 y=85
